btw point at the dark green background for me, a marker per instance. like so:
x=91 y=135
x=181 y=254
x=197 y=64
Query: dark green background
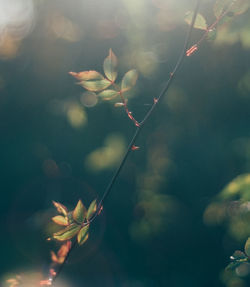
x=198 y=137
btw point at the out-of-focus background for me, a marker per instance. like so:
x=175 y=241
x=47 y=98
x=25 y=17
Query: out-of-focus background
x=163 y=224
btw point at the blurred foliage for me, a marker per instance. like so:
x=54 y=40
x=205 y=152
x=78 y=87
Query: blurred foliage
x=232 y=205
x=108 y=156
x=53 y=142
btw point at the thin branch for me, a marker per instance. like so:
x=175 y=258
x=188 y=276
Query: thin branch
x=210 y=29
x=138 y=130
x=148 y=114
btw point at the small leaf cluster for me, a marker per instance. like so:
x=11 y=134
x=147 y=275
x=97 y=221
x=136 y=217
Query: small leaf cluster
x=221 y=8
x=240 y=257
x=104 y=85
x=75 y=222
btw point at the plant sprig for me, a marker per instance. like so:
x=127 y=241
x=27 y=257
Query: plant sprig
x=75 y=223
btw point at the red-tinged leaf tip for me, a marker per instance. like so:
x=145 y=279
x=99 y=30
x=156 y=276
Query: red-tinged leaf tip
x=191 y=50
x=134 y=147
x=60 y=208
x=87 y=75
x=74 y=74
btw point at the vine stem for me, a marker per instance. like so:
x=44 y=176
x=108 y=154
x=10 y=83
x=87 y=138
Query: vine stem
x=138 y=130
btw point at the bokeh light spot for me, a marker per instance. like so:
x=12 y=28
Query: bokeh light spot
x=108 y=156
x=76 y=115
x=89 y=99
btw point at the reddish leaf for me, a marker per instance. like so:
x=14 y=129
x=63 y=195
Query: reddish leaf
x=60 y=208
x=60 y=220
x=63 y=251
x=54 y=258
x=87 y=75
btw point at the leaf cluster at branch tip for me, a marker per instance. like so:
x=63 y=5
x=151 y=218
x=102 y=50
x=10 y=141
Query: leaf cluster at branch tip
x=75 y=222
x=96 y=82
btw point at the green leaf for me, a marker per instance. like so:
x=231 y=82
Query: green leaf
x=220 y=7
x=87 y=75
x=240 y=6
x=79 y=212
x=91 y=209
x=110 y=66
x=237 y=7
x=96 y=86
x=108 y=94
x=129 y=80
x=200 y=21
x=60 y=220
x=60 y=208
x=82 y=236
x=247 y=247
x=67 y=233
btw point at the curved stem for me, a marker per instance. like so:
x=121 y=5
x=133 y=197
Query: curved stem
x=148 y=114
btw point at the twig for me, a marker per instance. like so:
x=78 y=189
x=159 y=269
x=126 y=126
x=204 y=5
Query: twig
x=148 y=114
x=139 y=127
